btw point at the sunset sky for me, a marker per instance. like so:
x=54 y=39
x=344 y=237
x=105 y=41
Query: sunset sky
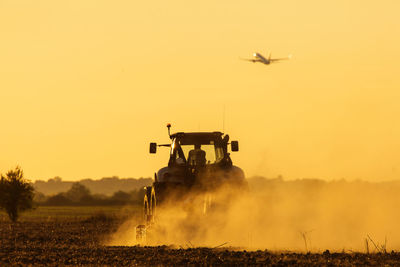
x=86 y=85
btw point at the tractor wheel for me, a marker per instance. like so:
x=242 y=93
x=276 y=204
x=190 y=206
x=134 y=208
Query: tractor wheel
x=153 y=203
x=147 y=214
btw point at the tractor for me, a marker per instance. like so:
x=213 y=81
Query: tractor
x=199 y=165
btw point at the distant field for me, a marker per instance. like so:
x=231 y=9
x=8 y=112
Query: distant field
x=76 y=212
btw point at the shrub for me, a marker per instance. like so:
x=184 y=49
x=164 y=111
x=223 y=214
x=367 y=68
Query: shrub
x=16 y=193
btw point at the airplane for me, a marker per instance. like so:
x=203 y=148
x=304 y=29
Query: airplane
x=260 y=58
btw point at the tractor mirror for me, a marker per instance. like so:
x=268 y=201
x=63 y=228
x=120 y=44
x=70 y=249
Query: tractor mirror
x=235 y=146
x=153 y=148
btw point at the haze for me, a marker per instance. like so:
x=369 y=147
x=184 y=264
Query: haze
x=86 y=85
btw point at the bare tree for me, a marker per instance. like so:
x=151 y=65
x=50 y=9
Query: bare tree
x=16 y=193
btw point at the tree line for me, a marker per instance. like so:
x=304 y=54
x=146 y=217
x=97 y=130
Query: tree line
x=18 y=195
x=80 y=195
x=106 y=185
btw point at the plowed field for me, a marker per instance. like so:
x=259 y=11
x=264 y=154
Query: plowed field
x=79 y=241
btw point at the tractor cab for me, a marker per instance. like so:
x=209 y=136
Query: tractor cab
x=199 y=149
x=193 y=153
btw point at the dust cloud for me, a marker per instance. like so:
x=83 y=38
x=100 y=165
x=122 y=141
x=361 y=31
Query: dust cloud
x=301 y=215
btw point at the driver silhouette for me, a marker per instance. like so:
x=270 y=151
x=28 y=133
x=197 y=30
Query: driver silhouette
x=197 y=156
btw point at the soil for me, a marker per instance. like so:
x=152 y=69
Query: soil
x=79 y=242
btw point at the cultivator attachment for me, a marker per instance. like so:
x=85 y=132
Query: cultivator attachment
x=141 y=233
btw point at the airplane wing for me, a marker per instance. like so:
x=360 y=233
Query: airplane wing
x=279 y=59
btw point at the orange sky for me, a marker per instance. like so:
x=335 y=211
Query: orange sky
x=86 y=85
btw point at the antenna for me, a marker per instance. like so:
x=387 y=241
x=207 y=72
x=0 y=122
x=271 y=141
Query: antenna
x=223 y=120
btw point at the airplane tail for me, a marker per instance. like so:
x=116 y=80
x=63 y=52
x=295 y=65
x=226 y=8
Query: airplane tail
x=269 y=56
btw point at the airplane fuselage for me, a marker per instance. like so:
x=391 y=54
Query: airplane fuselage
x=261 y=59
